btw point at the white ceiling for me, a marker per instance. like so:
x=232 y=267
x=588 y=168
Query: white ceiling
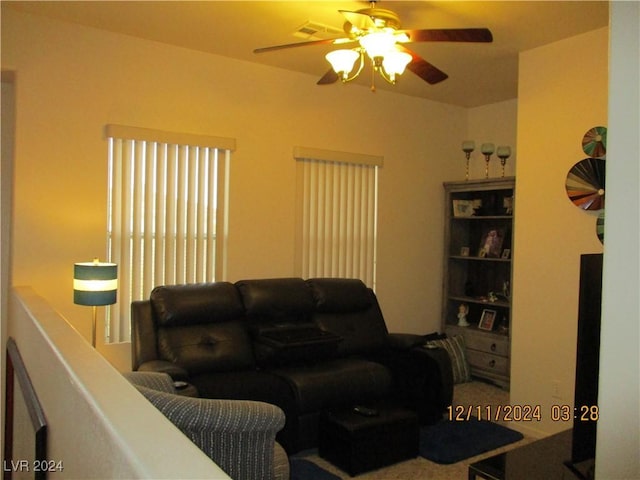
x=479 y=74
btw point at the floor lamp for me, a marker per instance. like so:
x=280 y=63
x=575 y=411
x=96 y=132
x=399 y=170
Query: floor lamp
x=95 y=284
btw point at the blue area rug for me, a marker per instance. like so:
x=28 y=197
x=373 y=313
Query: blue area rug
x=302 y=469
x=445 y=442
x=450 y=442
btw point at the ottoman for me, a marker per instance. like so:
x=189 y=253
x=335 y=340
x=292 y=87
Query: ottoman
x=358 y=443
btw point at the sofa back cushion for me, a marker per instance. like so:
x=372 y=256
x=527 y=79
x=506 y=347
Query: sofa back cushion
x=276 y=301
x=191 y=304
x=201 y=327
x=348 y=308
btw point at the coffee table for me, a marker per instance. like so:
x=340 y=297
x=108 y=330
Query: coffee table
x=540 y=460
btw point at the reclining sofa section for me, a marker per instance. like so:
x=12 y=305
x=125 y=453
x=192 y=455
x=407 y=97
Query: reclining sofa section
x=304 y=345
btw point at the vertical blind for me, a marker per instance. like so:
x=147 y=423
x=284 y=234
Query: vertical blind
x=167 y=213
x=336 y=219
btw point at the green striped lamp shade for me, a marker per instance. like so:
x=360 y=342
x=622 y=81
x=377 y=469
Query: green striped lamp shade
x=95 y=283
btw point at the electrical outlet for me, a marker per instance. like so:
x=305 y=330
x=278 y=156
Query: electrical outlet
x=555 y=389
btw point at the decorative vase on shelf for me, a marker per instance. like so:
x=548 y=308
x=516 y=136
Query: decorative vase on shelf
x=503 y=152
x=468 y=146
x=487 y=150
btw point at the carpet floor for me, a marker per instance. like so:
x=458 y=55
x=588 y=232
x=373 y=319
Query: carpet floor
x=472 y=393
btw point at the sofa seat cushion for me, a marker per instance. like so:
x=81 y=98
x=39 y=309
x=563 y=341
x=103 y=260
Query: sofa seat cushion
x=245 y=385
x=334 y=383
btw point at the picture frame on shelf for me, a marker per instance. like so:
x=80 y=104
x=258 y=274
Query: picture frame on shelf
x=464 y=251
x=487 y=319
x=462 y=208
x=491 y=242
x=506 y=253
x=507 y=203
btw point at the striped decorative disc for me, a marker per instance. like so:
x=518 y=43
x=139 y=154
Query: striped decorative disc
x=600 y=227
x=585 y=184
x=594 y=142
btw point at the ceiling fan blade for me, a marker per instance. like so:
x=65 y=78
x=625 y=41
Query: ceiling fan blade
x=424 y=69
x=359 y=20
x=328 y=78
x=450 y=35
x=326 y=41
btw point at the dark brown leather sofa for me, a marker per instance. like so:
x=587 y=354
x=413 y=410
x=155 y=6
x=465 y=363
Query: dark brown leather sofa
x=303 y=345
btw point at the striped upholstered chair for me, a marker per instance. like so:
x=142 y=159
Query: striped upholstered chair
x=238 y=435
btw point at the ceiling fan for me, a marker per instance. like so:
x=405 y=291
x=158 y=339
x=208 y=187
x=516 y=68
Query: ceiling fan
x=375 y=33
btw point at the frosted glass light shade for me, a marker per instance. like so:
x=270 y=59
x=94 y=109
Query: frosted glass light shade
x=378 y=44
x=395 y=62
x=342 y=60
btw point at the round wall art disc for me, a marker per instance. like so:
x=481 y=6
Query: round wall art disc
x=585 y=184
x=600 y=227
x=594 y=142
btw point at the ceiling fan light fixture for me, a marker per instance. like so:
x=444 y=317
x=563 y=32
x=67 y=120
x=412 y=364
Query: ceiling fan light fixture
x=378 y=35
x=402 y=37
x=378 y=44
x=395 y=62
x=342 y=61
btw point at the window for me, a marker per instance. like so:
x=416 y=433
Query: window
x=167 y=213
x=336 y=219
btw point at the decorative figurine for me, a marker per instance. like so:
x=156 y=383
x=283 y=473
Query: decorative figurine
x=463 y=311
x=505 y=288
x=504 y=325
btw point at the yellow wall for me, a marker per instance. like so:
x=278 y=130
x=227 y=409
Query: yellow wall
x=561 y=96
x=72 y=80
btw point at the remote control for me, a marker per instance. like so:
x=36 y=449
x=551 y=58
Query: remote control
x=179 y=384
x=365 y=411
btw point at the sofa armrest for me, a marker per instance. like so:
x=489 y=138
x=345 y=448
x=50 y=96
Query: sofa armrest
x=423 y=377
x=443 y=361
x=176 y=372
x=143 y=334
x=239 y=435
x=405 y=341
x=153 y=380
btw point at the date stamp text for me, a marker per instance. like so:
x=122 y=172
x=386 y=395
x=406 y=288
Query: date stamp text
x=522 y=413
